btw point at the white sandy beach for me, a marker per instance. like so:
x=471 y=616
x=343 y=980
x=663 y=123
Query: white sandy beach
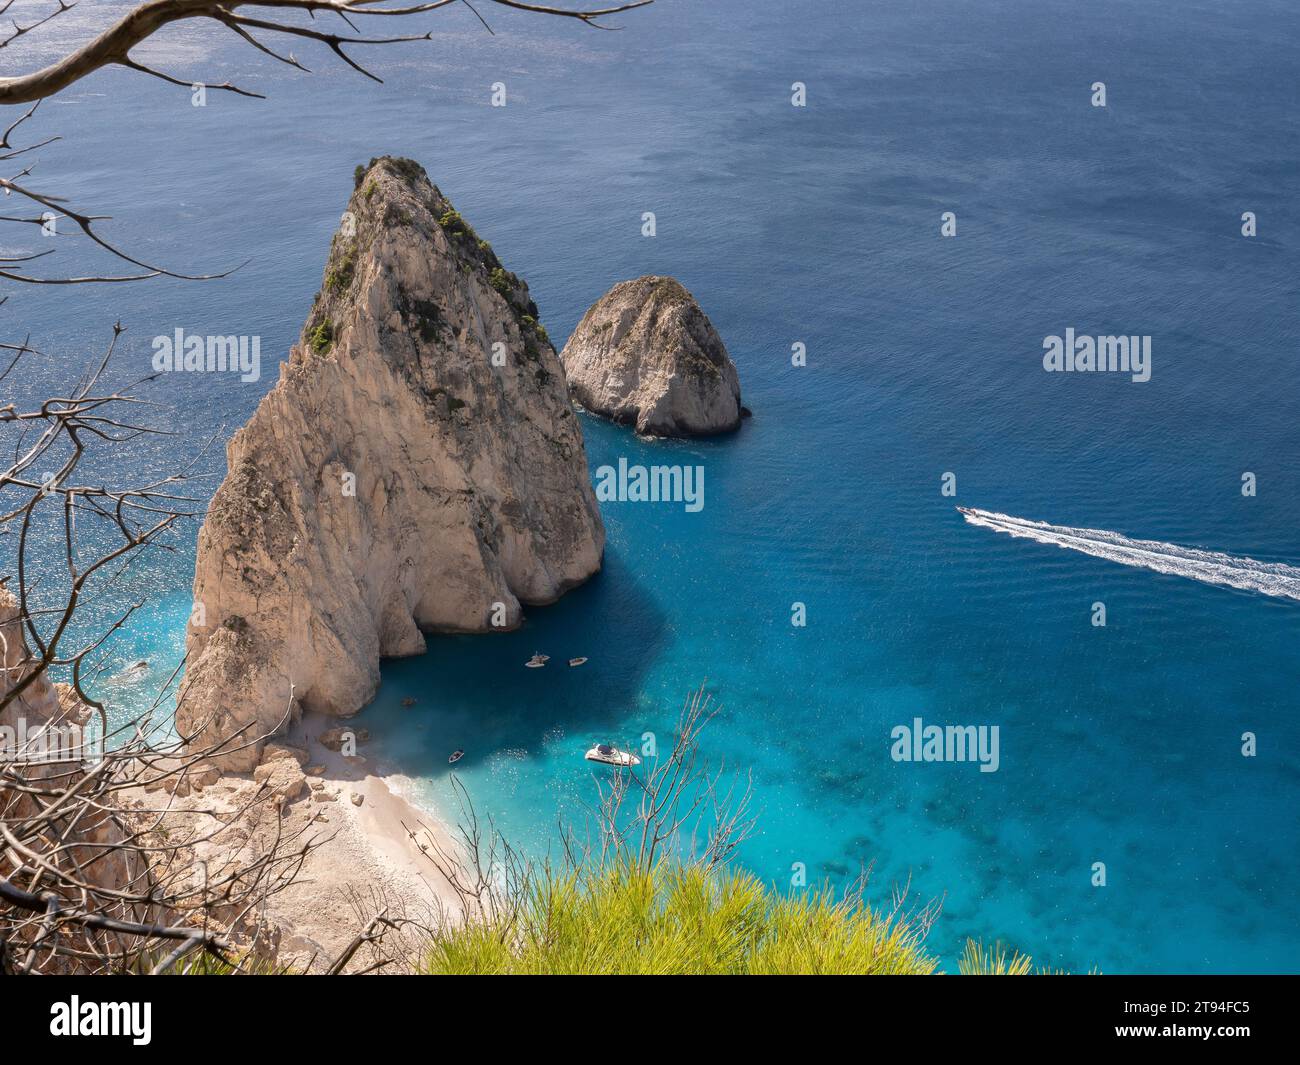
x=367 y=861
x=365 y=845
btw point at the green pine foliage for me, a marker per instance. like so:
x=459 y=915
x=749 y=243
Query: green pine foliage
x=678 y=919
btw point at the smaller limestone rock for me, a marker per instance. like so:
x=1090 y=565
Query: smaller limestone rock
x=645 y=353
x=315 y=770
x=358 y=799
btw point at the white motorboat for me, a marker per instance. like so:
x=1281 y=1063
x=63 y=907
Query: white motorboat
x=603 y=752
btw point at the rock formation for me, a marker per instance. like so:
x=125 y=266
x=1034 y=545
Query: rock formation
x=646 y=354
x=39 y=703
x=417 y=467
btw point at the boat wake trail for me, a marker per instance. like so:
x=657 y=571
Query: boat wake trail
x=1210 y=567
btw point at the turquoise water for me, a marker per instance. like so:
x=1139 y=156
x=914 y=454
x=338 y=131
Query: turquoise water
x=1119 y=744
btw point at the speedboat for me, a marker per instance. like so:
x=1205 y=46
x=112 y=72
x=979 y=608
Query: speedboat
x=577 y=661
x=456 y=756
x=537 y=661
x=603 y=752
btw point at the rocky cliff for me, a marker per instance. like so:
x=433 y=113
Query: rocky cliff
x=416 y=468
x=38 y=703
x=646 y=354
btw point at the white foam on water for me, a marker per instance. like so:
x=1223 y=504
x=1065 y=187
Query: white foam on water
x=1210 y=567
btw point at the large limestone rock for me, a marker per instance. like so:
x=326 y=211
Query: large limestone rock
x=646 y=354
x=417 y=467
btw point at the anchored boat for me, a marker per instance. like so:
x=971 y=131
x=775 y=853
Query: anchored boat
x=603 y=752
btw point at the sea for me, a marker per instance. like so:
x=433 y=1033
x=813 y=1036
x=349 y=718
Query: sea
x=886 y=209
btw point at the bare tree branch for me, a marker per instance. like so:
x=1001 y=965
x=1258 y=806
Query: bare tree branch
x=113 y=48
x=101 y=866
x=114 y=45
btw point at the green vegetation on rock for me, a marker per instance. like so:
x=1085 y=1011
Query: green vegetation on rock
x=455 y=225
x=339 y=276
x=321 y=339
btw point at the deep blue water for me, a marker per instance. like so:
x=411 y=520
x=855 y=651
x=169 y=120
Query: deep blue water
x=1119 y=744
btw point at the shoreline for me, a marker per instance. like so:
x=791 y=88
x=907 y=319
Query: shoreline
x=366 y=860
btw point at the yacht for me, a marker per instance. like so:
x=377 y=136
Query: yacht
x=603 y=752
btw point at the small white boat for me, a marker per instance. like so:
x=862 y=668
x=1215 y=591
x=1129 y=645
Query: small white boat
x=603 y=752
x=456 y=756
x=537 y=661
x=577 y=661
